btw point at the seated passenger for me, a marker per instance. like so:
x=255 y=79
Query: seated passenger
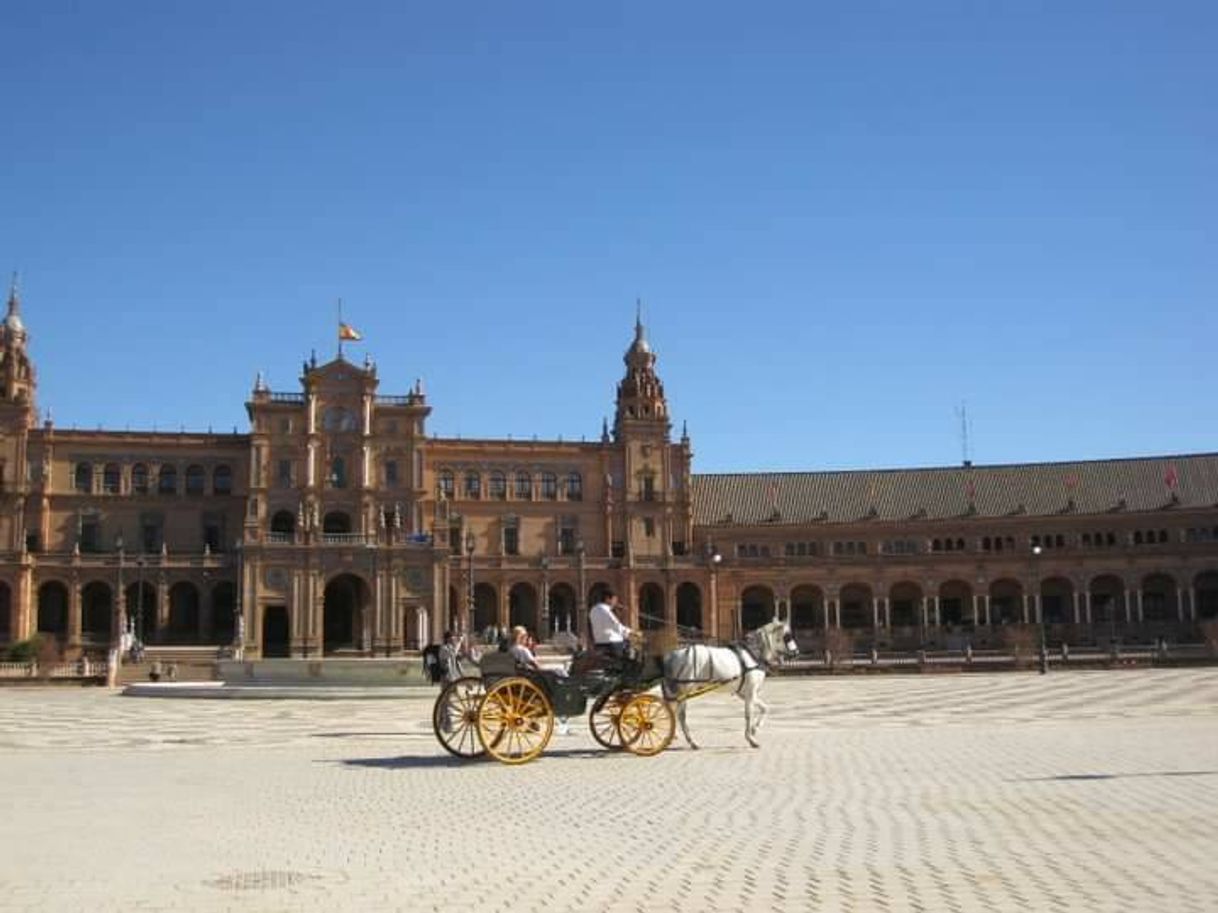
x=524 y=656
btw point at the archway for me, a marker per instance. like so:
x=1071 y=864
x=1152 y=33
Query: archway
x=283 y=523
x=689 y=609
x=345 y=601
x=141 y=609
x=856 y=606
x=1206 y=593
x=756 y=607
x=1006 y=602
x=1159 y=599
x=486 y=606
x=224 y=612
x=807 y=607
x=955 y=604
x=905 y=605
x=276 y=632
x=183 y=611
x=6 y=613
x=96 y=606
x=651 y=607
x=522 y=607
x=562 y=608
x=336 y=523
x=1057 y=600
x=53 y=609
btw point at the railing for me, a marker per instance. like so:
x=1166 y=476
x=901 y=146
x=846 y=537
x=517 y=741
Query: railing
x=280 y=538
x=394 y=400
x=343 y=538
x=288 y=398
x=81 y=669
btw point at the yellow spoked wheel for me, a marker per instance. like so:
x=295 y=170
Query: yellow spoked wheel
x=647 y=725
x=605 y=719
x=454 y=719
x=515 y=720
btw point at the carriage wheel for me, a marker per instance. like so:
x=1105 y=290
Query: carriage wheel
x=604 y=720
x=454 y=719
x=647 y=725
x=515 y=720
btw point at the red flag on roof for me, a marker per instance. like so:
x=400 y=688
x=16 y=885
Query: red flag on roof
x=1170 y=478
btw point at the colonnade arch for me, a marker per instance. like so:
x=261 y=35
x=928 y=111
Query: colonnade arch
x=955 y=603
x=1006 y=602
x=905 y=604
x=522 y=606
x=756 y=607
x=345 y=605
x=689 y=607
x=1057 y=600
x=561 y=604
x=96 y=608
x=855 y=606
x=807 y=607
x=651 y=607
x=53 y=609
x=1205 y=594
x=6 y=612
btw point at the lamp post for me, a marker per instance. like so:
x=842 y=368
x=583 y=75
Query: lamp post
x=239 y=609
x=468 y=622
x=366 y=626
x=1040 y=610
x=582 y=569
x=714 y=559
x=139 y=603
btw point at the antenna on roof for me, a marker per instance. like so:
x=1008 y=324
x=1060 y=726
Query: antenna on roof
x=966 y=455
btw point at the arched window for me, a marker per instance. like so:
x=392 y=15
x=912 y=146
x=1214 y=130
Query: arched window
x=524 y=486
x=84 y=478
x=139 y=479
x=283 y=523
x=498 y=486
x=575 y=486
x=446 y=483
x=222 y=480
x=473 y=484
x=167 y=481
x=195 y=479
x=549 y=486
x=111 y=479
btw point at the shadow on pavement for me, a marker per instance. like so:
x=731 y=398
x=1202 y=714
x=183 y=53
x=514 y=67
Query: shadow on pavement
x=1150 y=773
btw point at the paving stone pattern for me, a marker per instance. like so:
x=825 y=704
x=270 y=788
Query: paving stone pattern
x=1091 y=791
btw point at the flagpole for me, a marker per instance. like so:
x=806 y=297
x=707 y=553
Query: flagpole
x=340 y=328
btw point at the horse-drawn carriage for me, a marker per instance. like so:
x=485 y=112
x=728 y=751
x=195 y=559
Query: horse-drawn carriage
x=509 y=713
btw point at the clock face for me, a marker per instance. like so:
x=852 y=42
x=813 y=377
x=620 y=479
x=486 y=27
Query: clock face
x=336 y=418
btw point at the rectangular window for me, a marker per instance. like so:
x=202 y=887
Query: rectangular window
x=391 y=473
x=211 y=536
x=32 y=542
x=150 y=537
x=511 y=540
x=649 y=488
x=90 y=536
x=454 y=538
x=284 y=474
x=566 y=538
x=617 y=549
x=678 y=548
x=649 y=527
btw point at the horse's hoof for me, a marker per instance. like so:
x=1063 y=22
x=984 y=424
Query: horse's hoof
x=754 y=743
x=694 y=747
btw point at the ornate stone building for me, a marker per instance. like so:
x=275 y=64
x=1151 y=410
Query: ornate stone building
x=338 y=525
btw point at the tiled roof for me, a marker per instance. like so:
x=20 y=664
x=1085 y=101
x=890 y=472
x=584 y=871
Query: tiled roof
x=1029 y=489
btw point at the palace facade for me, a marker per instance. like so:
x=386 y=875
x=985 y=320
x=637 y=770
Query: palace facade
x=337 y=524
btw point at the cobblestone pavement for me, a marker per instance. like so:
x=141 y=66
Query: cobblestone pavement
x=1091 y=791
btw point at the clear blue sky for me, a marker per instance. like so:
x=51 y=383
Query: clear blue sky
x=843 y=219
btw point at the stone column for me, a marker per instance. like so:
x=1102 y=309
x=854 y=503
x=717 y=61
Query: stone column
x=1192 y=602
x=162 y=604
x=1180 y=616
x=503 y=613
x=73 y=631
x=985 y=606
x=1087 y=606
x=1077 y=611
x=1140 y=616
x=670 y=613
x=875 y=611
x=925 y=613
x=1026 y=596
x=888 y=613
x=934 y=607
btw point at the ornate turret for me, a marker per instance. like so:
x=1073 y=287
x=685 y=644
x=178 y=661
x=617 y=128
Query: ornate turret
x=16 y=371
x=640 y=395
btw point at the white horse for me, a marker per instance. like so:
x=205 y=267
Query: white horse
x=699 y=668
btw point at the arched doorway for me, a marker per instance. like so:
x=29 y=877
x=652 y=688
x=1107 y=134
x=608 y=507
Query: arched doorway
x=856 y=606
x=336 y=523
x=6 y=613
x=53 y=609
x=183 y=611
x=283 y=523
x=1107 y=599
x=756 y=607
x=224 y=612
x=905 y=605
x=141 y=609
x=1006 y=602
x=276 y=632
x=1205 y=588
x=955 y=604
x=689 y=609
x=562 y=608
x=486 y=606
x=96 y=606
x=651 y=607
x=522 y=607
x=343 y=614
x=1159 y=602
x=1057 y=600
x=807 y=608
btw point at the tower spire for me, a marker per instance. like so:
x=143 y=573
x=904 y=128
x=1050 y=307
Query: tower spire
x=14 y=300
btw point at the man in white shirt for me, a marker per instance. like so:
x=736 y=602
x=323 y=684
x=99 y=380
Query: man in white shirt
x=609 y=636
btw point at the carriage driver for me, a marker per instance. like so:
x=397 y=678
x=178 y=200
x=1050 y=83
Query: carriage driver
x=610 y=637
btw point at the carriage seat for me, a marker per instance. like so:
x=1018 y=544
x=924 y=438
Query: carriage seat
x=496 y=664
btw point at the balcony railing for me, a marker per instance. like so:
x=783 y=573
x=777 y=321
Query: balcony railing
x=288 y=398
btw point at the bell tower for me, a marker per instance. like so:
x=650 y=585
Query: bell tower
x=17 y=417
x=642 y=410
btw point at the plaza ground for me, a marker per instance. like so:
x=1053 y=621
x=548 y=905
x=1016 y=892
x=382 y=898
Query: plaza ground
x=1089 y=791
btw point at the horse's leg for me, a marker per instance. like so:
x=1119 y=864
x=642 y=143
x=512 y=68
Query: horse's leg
x=762 y=708
x=681 y=707
x=751 y=703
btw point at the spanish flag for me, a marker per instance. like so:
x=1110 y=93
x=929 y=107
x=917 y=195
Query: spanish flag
x=348 y=333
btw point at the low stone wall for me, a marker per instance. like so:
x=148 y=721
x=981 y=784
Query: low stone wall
x=363 y=672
